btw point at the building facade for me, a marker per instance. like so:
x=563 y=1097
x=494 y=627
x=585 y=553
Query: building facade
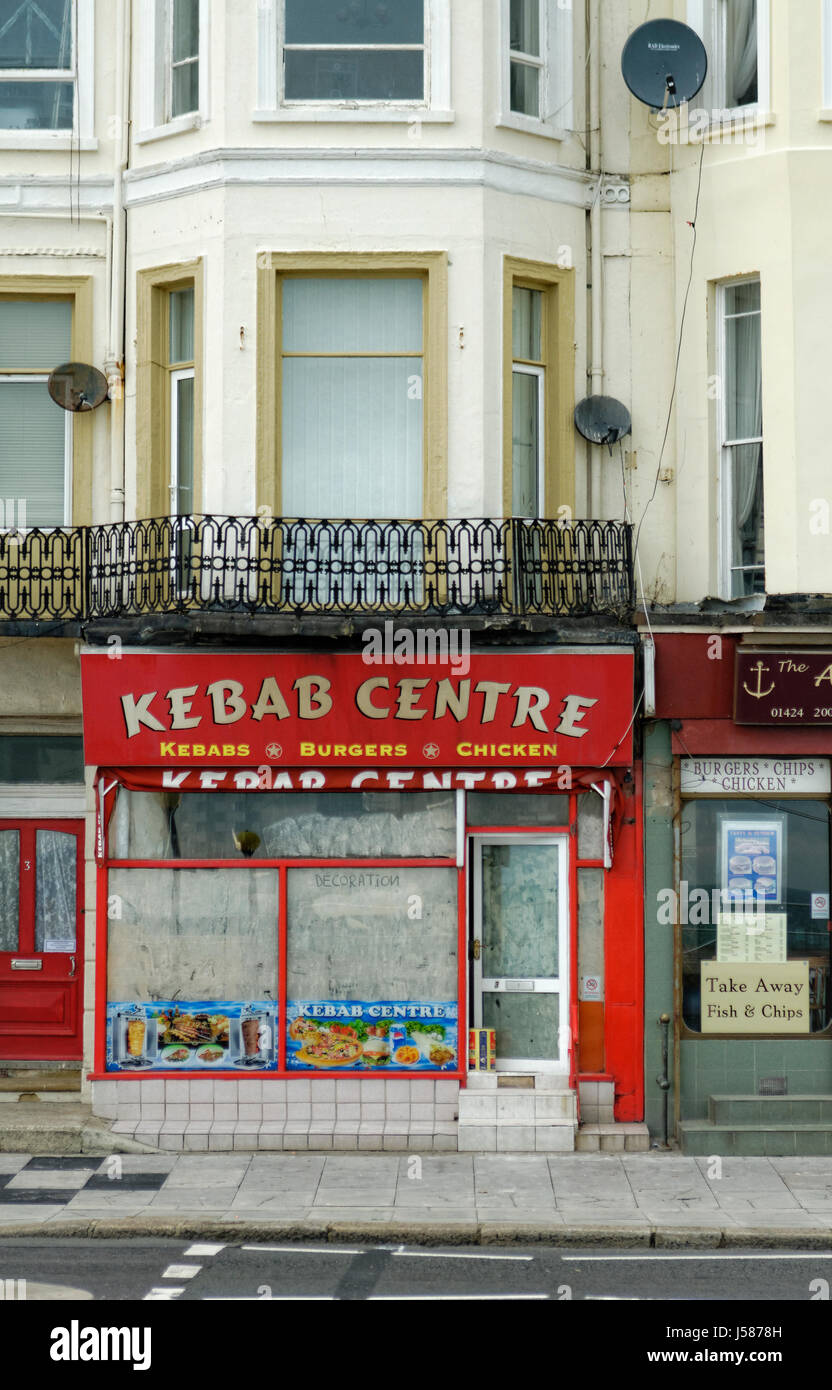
x=737 y=744
x=320 y=729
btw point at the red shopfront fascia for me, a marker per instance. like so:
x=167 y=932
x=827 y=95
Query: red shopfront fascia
x=295 y=722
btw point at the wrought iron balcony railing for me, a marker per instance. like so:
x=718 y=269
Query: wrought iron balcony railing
x=250 y=565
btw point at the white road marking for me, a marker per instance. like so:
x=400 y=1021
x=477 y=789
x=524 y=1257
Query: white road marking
x=303 y=1249
x=168 y=1293
x=456 y=1297
x=204 y=1249
x=450 y=1255
x=181 y=1271
x=807 y=1255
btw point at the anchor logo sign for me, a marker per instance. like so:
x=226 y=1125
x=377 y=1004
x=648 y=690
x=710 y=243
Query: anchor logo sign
x=759 y=693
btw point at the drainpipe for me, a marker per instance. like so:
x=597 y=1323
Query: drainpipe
x=596 y=374
x=114 y=358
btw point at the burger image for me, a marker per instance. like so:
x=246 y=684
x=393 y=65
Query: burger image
x=376 y=1048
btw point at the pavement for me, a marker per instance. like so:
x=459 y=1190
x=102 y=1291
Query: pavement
x=655 y=1200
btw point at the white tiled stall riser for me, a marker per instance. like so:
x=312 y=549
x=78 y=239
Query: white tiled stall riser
x=343 y=1113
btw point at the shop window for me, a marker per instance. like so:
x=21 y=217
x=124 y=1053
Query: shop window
x=766 y=866
x=228 y=825
x=372 y=967
x=41 y=758
x=741 y=439
x=35 y=434
x=192 y=934
x=590 y=826
x=497 y=809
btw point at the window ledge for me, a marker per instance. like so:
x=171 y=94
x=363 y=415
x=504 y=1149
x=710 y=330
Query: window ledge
x=357 y=115
x=45 y=140
x=193 y=121
x=737 y=123
x=825 y=114
x=530 y=125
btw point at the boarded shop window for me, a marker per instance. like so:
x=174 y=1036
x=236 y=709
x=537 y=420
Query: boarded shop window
x=590 y=826
x=290 y=825
x=192 y=934
x=754 y=892
x=361 y=933
x=498 y=809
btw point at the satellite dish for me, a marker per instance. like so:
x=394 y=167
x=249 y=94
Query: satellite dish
x=664 y=63
x=602 y=420
x=76 y=386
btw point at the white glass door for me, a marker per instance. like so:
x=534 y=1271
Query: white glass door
x=521 y=949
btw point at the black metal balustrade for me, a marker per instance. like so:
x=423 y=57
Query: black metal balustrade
x=256 y=565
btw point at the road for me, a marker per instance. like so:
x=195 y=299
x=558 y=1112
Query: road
x=196 y=1271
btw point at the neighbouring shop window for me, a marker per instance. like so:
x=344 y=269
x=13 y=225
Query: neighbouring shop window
x=41 y=758
x=372 y=968
x=765 y=866
x=192 y=968
x=499 y=809
x=282 y=825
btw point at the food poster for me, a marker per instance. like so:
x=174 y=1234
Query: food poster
x=380 y=1037
x=170 y=1035
x=752 y=860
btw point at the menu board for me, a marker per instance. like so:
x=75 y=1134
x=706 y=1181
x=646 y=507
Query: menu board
x=760 y=937
x=170 y=1035
x=752 y=859
x=383 y=1036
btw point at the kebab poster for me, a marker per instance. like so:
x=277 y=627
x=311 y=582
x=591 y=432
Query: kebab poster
x=385 y=1036
x=171 y=1035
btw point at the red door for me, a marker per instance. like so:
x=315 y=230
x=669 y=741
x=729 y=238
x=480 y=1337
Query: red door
x=41 y=939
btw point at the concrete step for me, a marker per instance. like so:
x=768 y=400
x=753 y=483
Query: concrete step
x=727 y=1111
x=43 y=1078
x=61 y=1129
x=703 y=1137
x=517 y=1107
x=613 y=1138
x=515 y=1081
x=517 y=1138
x=55 y=1097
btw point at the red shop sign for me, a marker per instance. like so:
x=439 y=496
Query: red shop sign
x=219 y=709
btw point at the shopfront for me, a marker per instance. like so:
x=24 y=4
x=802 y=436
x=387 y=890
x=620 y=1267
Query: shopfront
x=310 y=869
x=746 y=899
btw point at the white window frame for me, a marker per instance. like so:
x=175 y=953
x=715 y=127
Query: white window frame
x=153 y=25
x=81 y=74
x=42 y=378
x=724 y=448
x=176 y=375
x=556 y=73
x=826 y=50
x=705 y=16
x=524 y=369
x=434 y=106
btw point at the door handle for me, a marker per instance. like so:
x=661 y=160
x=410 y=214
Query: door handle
x=476 y=947
x=72 y=965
